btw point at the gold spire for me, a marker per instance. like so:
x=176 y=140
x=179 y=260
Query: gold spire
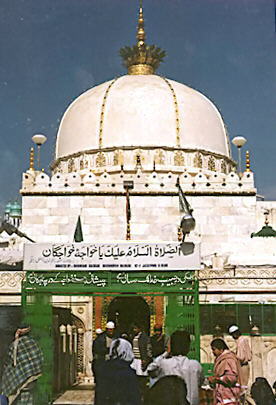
x=247 y=158
x=141 y=35
x=141 y=59
x=31 y=159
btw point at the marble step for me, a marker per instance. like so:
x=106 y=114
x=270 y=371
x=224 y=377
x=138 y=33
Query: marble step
x=76 y=397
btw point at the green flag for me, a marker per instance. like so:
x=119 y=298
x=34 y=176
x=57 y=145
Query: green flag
x=78 y=237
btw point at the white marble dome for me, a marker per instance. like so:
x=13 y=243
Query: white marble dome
x=141 y=111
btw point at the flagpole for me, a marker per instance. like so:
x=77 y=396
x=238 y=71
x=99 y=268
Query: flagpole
x=128 y=234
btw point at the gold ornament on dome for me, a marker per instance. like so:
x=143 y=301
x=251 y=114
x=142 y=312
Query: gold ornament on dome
x=140 y=69
x=102 y=113
x=198 y=162
x=81 y=164
x=223 y=167
x=71 y=166
x=118 y=158
x=178 y=158
x=138 y=160
x=159 y=157
x=176 y=109
x=141 y=59
x=211 y=164
x=100 y=159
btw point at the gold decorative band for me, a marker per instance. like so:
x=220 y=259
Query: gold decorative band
x=102 y=113
x=140 y=69
x=176 y=111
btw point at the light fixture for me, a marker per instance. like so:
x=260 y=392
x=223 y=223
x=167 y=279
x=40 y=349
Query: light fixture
x=239 y=141
x=39 y=139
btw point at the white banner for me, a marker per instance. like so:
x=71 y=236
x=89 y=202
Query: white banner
x=121 y=256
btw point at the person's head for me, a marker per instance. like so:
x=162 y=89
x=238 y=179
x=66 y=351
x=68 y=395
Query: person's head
x=98 y=331
x=110 y=328
x=218 y=346
x=124 y=335
x=157 y=329
x=121 y=349
x=180 y=343
x=262 y=392
x=137 y=328
x=234 y=331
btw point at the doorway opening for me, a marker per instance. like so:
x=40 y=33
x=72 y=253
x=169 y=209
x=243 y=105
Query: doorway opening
x=125 y=311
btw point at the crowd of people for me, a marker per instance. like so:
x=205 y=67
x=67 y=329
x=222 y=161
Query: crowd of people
x=135 y=369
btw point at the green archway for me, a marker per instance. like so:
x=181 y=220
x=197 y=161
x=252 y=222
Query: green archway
x=180 y=289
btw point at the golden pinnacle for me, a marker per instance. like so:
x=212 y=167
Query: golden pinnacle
x=141 y=35
x=247 y=159
x=31 y=159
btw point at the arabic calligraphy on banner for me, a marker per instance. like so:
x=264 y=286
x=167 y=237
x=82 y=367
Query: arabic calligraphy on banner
x=109 y=256
x=180 y=279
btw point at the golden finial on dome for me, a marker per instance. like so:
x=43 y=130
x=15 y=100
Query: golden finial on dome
x=31 y=159
x=141 y=59
x=141 y=35
x=247 y=159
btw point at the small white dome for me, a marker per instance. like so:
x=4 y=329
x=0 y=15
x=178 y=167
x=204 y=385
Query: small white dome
x=141 y=111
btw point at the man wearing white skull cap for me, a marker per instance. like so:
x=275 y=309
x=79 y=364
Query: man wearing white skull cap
x=243 y=353
x=100 y=350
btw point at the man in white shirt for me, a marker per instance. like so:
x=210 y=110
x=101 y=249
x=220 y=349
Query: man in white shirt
x=177 y=363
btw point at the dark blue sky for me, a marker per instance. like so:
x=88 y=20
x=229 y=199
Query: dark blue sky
x=53 y=50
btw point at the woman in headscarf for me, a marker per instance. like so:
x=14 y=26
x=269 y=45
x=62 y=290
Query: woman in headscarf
x=119 y=385
x=22 y=368
x=262 y=392
x=227 y=378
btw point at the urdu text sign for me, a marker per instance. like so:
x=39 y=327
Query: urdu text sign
x=122 y=256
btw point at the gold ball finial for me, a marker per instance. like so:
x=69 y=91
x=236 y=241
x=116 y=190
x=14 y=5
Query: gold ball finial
x=247 y=158
x=141 y=35
x=31 y=159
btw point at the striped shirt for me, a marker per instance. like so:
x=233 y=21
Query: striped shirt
x=135 y=347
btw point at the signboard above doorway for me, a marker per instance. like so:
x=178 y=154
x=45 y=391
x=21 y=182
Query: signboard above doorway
x=121 y=256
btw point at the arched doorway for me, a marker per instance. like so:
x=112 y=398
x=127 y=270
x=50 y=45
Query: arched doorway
x=126 y=310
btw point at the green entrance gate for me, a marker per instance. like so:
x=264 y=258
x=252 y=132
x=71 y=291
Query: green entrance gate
x=180 y=289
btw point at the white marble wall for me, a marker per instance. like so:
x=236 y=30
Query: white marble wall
x=222 y=222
